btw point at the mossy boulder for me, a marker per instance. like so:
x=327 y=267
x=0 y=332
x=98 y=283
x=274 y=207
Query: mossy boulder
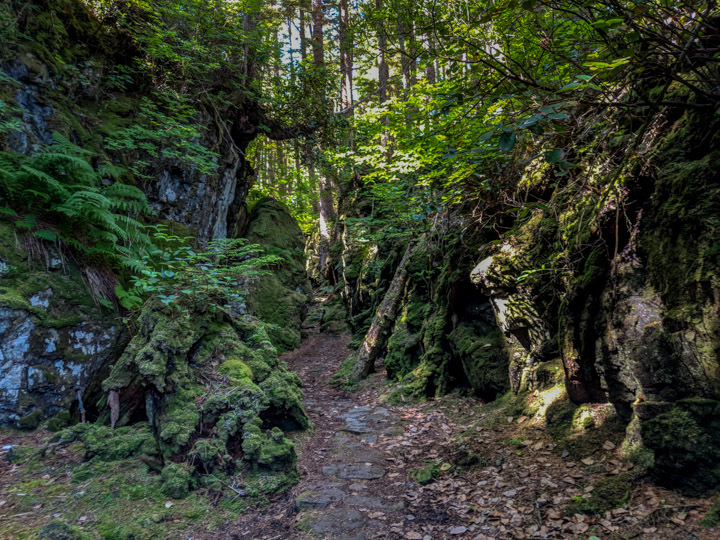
x=610 y=493
x=106 y=444
x=280 y=299
x=59 y=421
x=685 y=441
x=269 y=450
x=176 y=480
x=208 y=386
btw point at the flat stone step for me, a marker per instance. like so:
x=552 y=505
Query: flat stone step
x=355 y=472
x=374 y=503
x=339 y=523
x=318 y=498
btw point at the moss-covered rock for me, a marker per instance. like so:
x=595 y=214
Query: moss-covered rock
x=280 y=300
x=208 y=387
x=685 y=441
x=610 y=493
x=107 y=444
x=269 y=450
x=59 y=421
x=176 y=480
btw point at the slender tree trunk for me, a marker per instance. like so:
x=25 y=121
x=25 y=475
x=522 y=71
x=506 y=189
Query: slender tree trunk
x=318 y=45
x=431 y=68
x=377 y=336
x=383 y=69
x=327 y=210
x=303 y=36
x=383 y=74
x=346 y=56
x=407 y=59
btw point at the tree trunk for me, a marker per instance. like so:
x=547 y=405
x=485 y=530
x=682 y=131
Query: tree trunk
x=303 y=36
x=318 y=45
x=383 y=70
x=327 y=210
x=377 y=336
x=346 y=56
x=430 y=69
x=407 y=56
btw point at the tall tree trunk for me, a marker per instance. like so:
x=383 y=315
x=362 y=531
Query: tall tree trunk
x=383 y=74
x=346 y=56
x=318 y=44
x=377 y=336
x=383 y=69
x=407 y=56
x=431 y=67
x=327 y=210
x=303 y=36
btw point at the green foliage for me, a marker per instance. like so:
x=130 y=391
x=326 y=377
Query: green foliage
x=171 y=136
x=61 y=198
x=174 y=271
x=712 y=518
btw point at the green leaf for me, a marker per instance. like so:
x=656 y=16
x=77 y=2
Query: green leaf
x=507 y=142
x=554 y=156
x=46 y=235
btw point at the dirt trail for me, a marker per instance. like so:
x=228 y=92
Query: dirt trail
x=348 y=486
x=503 y=479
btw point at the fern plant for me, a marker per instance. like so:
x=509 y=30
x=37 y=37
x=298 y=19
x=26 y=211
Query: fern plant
x=60 y=189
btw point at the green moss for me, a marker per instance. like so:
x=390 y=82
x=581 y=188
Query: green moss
x=282 y=390
x=236 y=369
x=425 y=475
x=209 y=451
x=59 y=530
x=31 y=420
x=343 y=377
x=611 y=492
x=712 y=518
x=175 y=480
x=483 y=356
x=581 y=430
x=59 y=421
x=110 y=445
x=686 y=445
x=277 y=452
x=680 y=243
x=179 y=419
x=280 y=299
x=334 y=316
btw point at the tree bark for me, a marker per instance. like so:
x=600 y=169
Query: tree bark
x=318 y=44
x=377 y=336
x=383 y=70
x=346 y=56
x=303 y=36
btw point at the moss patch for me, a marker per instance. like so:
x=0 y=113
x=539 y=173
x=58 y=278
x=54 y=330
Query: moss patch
x=611 y=492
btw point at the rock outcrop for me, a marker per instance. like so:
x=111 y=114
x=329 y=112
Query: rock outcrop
x=54 y=339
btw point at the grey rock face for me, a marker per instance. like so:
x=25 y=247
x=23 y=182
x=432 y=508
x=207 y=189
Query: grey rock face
x=31 y=80
x=41 y=369
x=642 y=354
x=207 y=203
x=525 y=332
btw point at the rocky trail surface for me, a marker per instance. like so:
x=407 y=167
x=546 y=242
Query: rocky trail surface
x=483 y=475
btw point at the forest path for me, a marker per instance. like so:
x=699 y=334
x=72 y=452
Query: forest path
x=493 y=475
x=349 y=485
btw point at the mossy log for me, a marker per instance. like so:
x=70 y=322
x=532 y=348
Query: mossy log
x=377 y=335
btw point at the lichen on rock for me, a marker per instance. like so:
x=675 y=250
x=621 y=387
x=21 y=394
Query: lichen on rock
x=53 y=337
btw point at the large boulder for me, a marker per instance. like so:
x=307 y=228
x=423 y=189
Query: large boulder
x=279 y=300
x=53 y=336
